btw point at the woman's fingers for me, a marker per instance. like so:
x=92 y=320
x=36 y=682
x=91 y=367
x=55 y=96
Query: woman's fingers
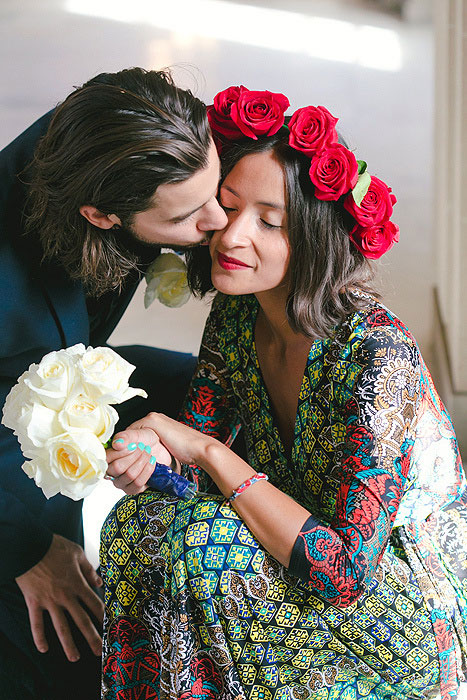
x=132 y=438
x=132 y=456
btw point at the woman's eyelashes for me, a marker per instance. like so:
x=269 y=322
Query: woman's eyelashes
x=262 y=222
x=268 y=225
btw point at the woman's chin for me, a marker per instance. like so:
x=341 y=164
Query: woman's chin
x=228 y=285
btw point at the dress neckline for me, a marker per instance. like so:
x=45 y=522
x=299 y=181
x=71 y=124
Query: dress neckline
x=291 y=454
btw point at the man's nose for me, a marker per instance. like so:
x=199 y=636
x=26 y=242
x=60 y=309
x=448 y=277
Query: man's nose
x=214 y=219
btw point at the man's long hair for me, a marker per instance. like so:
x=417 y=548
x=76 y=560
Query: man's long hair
x=110 y=144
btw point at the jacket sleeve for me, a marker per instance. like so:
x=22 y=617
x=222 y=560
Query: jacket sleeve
x=378 y=413
x=23 y=538
x=210 y=405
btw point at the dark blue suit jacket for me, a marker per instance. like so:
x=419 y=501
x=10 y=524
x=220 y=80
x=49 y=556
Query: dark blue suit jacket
x=41 y=309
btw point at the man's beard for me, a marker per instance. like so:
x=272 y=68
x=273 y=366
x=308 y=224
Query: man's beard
x=132 y=255
x=129 y=235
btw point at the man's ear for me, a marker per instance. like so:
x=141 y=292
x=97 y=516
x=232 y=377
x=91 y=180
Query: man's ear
x=97 y=218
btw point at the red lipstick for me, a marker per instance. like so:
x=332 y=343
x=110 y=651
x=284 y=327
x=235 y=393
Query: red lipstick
x=230 y=263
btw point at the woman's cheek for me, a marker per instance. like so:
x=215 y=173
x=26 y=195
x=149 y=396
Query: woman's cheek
x=213 y=243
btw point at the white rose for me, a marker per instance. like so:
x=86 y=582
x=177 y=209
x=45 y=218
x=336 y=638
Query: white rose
x=53 y=378
x=70 y=464
x=31 y=421
x=82 y=411
x=19 y=395
x=167 y=281
x=105 y=376
x=35 y=426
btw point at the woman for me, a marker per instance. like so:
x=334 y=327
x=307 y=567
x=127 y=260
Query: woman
x=331 y=563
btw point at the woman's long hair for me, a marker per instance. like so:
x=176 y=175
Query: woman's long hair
x=325 y=267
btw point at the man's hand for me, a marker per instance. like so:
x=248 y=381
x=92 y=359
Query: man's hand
x=60 y=582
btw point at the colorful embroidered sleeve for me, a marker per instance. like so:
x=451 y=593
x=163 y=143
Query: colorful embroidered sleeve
x=375 y=393
x=210 y=405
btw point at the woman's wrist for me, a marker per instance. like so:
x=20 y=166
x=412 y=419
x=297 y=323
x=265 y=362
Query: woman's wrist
x=209 y=453
x=225 y=468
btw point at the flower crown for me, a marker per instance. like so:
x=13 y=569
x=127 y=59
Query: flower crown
x=334 y=171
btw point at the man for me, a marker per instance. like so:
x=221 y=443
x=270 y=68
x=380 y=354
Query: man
x=125 y=165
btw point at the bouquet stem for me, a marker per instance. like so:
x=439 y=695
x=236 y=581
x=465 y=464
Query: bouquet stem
x=165 y=479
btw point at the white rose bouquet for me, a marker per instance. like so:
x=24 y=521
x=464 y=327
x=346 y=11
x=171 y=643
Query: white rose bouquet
x=60 y=410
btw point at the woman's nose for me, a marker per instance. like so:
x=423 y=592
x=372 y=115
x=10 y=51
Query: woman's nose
x=234 y=234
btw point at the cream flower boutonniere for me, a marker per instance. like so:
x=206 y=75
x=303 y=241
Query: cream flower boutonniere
x=166 y=280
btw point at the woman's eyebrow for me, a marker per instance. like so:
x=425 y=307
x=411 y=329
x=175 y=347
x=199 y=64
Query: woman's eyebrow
x=272 y=205
x=264 y=204
x=226 y=187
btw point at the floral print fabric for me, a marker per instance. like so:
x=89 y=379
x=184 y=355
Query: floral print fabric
x=374 y=601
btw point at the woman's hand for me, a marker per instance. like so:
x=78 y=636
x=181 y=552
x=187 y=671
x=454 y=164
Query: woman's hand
x=184 y=443
x=128 y=460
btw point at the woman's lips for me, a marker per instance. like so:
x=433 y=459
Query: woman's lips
x=230 y=263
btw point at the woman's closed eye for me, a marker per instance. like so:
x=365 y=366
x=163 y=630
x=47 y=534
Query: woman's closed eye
x=266 y=224
x=262 y=222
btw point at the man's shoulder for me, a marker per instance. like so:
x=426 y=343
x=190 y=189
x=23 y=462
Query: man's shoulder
x=21 y=149
x=14 y=161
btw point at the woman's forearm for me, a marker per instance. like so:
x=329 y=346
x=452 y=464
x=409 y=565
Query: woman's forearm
x=274 y=518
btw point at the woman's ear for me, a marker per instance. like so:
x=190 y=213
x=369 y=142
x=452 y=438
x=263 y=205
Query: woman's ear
x=97 y=218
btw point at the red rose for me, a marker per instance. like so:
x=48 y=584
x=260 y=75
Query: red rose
x=259 y=113
x=333 y=172
x=376 y=205
x=312 y=129
x=374 y=241
x=219 y=113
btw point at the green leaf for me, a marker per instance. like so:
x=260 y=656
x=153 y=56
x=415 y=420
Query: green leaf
x=361 y=188
x=361 y=166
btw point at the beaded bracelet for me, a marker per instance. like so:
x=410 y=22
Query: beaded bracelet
x=243 y=487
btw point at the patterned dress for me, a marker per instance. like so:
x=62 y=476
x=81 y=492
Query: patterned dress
x=373 y=603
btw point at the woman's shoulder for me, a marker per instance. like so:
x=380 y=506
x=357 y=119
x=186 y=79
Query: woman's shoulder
x=375 y=326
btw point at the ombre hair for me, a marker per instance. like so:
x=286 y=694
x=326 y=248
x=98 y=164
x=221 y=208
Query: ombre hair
x=326 y=269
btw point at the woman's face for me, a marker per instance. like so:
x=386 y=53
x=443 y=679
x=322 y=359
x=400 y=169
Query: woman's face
x=251 y=254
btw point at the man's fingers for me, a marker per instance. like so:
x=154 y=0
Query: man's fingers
x=87 y=595
x=86 y=627
x=36 y=620
x=63 y=631
x=93 y=603
x=60 y=584
x=89 y=572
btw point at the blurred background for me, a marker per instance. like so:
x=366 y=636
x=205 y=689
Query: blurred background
x=372 y=63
